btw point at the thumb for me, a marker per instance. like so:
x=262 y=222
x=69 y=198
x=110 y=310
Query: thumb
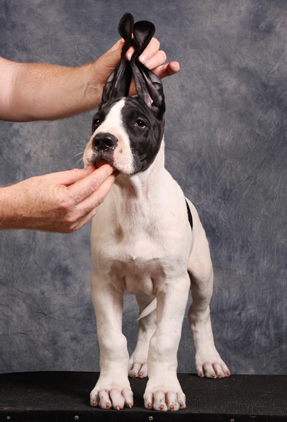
x=69 y=177
x=107 y=63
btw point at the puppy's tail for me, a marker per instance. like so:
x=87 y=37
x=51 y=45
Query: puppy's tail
x=149 y=309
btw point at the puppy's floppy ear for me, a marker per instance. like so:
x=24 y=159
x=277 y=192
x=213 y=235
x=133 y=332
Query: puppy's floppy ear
x=148 y=84
x=118 y=83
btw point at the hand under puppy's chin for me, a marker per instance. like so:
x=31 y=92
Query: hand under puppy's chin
x=99 y=164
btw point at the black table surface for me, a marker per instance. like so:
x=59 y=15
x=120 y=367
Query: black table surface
x=64 y=396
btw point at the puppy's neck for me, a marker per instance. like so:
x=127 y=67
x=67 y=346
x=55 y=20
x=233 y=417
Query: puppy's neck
x=144 y=183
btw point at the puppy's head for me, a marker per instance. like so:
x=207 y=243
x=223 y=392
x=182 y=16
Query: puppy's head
x=127 y=131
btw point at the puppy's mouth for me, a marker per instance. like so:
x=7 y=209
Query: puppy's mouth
x=101 y=158
x=101 y=162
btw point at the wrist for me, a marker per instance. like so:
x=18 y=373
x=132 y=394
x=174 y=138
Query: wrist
x=93 y=87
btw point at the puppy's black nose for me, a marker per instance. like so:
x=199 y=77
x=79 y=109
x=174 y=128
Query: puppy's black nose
x=104 y=142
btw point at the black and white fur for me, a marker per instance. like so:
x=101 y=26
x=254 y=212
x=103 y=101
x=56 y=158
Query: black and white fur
x=143 y=242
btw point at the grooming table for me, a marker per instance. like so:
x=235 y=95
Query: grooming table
x=64 y=397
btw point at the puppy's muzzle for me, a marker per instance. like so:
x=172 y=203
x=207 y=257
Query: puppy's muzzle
x=104 y=142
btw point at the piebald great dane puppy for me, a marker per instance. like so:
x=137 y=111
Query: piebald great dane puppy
x=147 y=238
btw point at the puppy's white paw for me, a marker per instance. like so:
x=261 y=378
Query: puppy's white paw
x=137 y=366
x=210 y=365
x=164 y=397
x=111 y=396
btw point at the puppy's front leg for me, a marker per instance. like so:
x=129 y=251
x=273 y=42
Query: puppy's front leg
x=113 y=387
x=163 y=391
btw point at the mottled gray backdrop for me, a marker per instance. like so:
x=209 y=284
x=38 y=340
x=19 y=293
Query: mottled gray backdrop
x=225 y=144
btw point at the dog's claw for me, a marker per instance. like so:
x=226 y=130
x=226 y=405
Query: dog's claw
x=216 y=370
x=114 y=397
x=138 y=370
x=163 y=400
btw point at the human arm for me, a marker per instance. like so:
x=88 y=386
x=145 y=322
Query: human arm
x=55 y=202
x=36 y=91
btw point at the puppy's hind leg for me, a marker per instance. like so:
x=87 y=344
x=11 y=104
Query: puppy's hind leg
x=207 y=359
x=147 y=327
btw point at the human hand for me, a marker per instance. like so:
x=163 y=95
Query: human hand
x=152 y=57
x=57 y=202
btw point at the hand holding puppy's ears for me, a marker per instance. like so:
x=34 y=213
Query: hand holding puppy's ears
x=118 y=83
x=148 y=84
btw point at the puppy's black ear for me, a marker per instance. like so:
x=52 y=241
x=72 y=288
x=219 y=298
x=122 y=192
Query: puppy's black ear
x=118 y=83
x=148 y=84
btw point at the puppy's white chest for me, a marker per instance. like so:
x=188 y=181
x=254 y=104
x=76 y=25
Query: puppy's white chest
x=134 y=260
x=138 y=274
x=141 y=245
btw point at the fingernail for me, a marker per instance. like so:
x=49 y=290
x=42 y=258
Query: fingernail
x=143 y=58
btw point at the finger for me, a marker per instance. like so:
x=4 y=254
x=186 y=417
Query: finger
x=106 y=64
x=119 y=44
x=148 y=53
x=157 y=60
x=112 y=56
x=168 y=69
x=85 y=187
x=82 y=221
x=97 y=197
x=87 y=209
x=70 y=176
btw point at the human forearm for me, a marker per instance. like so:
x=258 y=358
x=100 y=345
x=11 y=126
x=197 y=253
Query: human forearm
x=47 y=92
x=36 y=91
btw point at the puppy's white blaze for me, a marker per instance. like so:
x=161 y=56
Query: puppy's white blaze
x=113 y=118
x=113 y=123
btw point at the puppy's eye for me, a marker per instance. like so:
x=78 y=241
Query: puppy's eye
x=140 y=123
x=96 y=123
